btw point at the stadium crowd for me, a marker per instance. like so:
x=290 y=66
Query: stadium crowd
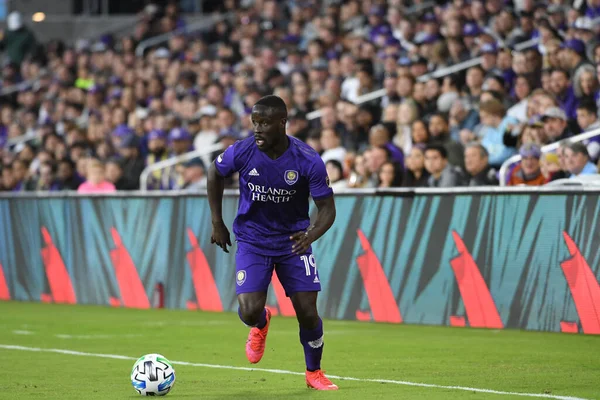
x=95 y=114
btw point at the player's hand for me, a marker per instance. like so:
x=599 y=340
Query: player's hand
x=220 y=236
x=302 y=240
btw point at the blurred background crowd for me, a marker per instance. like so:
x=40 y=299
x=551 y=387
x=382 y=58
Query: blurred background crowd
x=96 y=113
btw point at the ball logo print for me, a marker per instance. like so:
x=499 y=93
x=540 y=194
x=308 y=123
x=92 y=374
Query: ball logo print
x=241 y=277
x=291 y=177
x=152 y=375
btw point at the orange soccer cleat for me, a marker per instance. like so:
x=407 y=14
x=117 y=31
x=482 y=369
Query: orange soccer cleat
x=257 y=338
x=317 y=380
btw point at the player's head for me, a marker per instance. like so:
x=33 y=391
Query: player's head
x=269 y=116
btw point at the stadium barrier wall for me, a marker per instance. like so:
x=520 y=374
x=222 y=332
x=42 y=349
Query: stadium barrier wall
x=510 y=260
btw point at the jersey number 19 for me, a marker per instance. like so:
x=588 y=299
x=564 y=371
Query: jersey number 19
x=309 y=261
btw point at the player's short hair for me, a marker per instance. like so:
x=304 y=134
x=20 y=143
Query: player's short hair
x=274 y=102
x=439 y=148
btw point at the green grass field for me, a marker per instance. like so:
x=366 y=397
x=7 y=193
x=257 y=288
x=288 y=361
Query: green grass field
x=533 y=363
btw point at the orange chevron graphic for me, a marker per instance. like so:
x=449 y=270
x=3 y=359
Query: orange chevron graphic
x=207 y=293
x=479 y=304
x=382 y=302
x=584 y=288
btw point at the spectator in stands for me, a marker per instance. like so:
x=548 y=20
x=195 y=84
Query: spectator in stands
x=420 y=133
x=572 y=56
x=335 y=173
x=390 y=175
x=587 y=118
x=442 y=173
x=379 y=136
x=7 y=181
x=440 y=134
x=462 y=118
x=19 y=41
x=377 y=156
x=194 y=175
x=578 y=160
x=96 y=181
x=561 y=87
x=415 y=174
x=331 y=144
x=522 y=89
x=585 y=82
x=479 y=172
x=555 y=125
x=359 y=176
x=475 y=77
x=549 y=165
x=133 y=162
x=21 y=174
x=66 y=175
x=47 y=178
x=494 y=124
x=114 y=174
x=528 y=172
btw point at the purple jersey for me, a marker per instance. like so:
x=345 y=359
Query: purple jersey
x=274 y=194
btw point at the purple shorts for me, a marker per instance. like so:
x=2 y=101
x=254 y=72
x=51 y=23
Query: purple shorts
x=297 y=273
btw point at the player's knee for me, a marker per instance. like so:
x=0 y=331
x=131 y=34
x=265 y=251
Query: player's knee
x=308 y=318
x=250 y=312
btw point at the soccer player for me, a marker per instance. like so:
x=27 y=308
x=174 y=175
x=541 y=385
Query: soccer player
x=272 y=228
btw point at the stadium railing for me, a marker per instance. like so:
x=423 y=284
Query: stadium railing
x=503 y=173
x=169 y=162
x=439 y=73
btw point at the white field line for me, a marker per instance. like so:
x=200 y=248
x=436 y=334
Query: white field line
x=68 y=336
x=285 y=372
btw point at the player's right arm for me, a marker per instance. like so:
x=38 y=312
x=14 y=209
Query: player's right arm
x=222 y=167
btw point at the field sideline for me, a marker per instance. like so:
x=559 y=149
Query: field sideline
x=86 y=352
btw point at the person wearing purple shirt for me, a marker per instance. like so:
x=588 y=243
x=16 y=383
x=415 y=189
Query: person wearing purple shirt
x=277 y=174
x=562 y=89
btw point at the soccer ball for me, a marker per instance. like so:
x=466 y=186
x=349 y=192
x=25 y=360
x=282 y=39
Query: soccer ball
x=152 y=375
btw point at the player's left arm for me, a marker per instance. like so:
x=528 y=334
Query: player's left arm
x=320 y=189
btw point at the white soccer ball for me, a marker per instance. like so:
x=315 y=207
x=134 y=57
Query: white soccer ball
x=152 y=375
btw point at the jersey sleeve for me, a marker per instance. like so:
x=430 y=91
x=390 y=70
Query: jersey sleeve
x=226 y=161
x=318 y=181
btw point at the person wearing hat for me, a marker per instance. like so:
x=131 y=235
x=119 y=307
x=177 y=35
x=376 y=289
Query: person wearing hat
x=133 y=162
x=578 y=160
x=18 y=40
x=157 y=151
x=180 y=141
x=555 y=124
x=572 y=56
x=584 y=29
x=194 y=175
x=418 y=66
x=528 y=172
x=119 y=133
x=489 y=56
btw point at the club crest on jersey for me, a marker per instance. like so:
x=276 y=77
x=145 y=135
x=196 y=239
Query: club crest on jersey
x=291 y=177
x=240 y=277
